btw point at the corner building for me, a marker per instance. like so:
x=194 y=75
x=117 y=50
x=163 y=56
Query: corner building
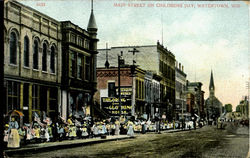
x=32 y=63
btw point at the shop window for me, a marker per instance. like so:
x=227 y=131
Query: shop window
x=87 y=68
x=35 y=55
x=52 y=60
x=26 y=102
x=13 y=48
x=53 y=100
x=79 y=67
x=35 y=97
x=111 y=89
x=13 y=101
x=26 y=52
x=44 y=57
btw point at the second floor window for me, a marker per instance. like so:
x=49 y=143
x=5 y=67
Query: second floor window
x=111 y=89
x=13 y=48
x=72 y=64
x=52 y=59
x=35 y=55
x=44 y=58
x=87 y=68
x=26 y=52
x=79 y=67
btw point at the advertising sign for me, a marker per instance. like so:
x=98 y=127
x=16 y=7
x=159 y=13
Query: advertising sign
x=111 y=104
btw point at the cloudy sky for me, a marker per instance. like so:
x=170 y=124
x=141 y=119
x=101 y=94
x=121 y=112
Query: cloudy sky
x=201 y=38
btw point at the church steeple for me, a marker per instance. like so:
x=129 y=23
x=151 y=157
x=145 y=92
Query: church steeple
x=211 y=84
x=92 y=24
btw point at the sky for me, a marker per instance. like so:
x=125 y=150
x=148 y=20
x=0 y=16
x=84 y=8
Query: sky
x=213 y=37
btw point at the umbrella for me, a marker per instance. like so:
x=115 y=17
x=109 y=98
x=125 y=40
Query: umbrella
x=15 y=113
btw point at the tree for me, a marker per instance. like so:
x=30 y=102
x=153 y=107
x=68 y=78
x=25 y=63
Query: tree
x=228 y=108
x=238 y=108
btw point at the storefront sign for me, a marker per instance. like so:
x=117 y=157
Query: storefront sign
x=111 y=106
x=125 y=91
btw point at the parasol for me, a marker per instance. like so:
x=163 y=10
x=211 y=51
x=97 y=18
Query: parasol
x=15 y=113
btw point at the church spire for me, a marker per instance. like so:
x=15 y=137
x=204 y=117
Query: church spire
x=92 y=24
x=211 y=84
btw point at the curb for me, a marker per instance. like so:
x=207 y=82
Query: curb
x=21 y=151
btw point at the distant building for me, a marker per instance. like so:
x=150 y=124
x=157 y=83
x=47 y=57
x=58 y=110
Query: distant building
x=153 y=58
x=195 y=89
x=243 y=108
x=32 y=64
x=180 y=90
x=213 y=105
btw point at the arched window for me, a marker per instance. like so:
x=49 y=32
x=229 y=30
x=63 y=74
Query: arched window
x=44 y=58
x=35 y=55
x=26 y=51
x=52 y=59
x=13 y=48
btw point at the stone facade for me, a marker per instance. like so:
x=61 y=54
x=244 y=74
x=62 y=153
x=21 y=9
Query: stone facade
x=32 y=63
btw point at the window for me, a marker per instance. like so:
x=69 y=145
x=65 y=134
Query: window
x=35 y=55
x=53 y=106
x=26 y=52
x=13 y=90
x=52 y=59
x=137 y=89
x=35 y=97
x=79 y=67
x=80 y=41
x=86 y=44
x=44 y=58
x=13 y=48
x=111 y=89
x=72 y=64
x=87 y=68
x=73 y=38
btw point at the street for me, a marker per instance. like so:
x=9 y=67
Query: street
x=205 y=142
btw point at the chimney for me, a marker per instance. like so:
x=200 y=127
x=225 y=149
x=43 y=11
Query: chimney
x=182 y=68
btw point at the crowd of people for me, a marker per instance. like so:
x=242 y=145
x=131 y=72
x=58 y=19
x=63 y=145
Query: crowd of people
x=79 y=128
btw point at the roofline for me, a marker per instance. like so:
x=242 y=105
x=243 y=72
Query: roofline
x=128 y=47
x=43 y=14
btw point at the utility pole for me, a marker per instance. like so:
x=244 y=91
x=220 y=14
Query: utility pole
x=133 y=67
x=119 y=84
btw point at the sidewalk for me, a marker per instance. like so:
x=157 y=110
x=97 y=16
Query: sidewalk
x=48 y=146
